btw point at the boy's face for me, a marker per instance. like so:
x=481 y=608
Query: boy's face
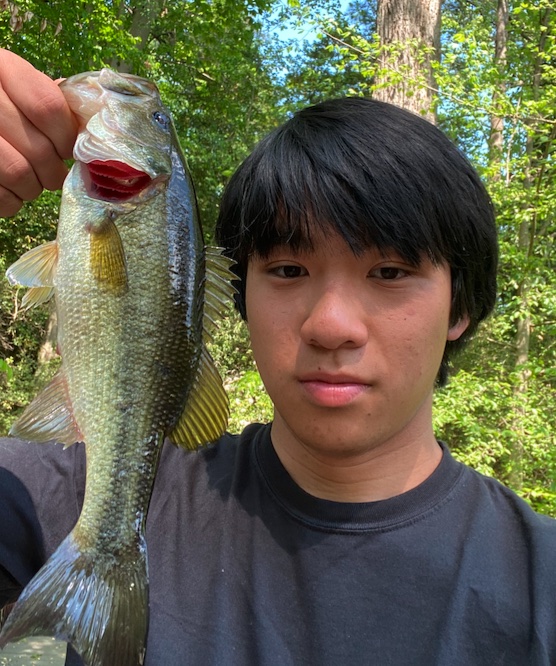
x=348 y=347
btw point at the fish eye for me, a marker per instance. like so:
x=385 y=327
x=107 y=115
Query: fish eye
x=161 y=119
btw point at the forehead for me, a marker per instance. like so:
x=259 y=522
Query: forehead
x=365 y=215
x=308 y=235
x=331 y=250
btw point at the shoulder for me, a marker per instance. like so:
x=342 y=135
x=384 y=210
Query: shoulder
x=40 y=497
x=505 y=518
x=191 y=477
x=500 y=499
x=23 y=457
x=36 y=480
x=43 y=468
x=225 y=455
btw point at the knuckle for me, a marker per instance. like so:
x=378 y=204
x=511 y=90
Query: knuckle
x=44 y=154
x=54 y=178
x=49 y=104
x=18 y=176
x=9 y=203
x=16 y=170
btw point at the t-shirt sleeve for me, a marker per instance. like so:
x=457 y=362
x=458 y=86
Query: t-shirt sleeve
x=41 y=492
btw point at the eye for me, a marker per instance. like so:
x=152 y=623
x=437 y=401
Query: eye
x=289 y=271
x=161 y=119
x=389 y=273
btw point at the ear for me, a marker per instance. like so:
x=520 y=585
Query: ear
x=458 y=329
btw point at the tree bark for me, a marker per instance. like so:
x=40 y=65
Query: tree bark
x=144 y=15
x=409 y=32
x=527 y=232
x=496 y=140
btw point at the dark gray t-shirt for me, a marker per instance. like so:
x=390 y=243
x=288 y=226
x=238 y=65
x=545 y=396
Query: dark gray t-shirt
x=247 y=569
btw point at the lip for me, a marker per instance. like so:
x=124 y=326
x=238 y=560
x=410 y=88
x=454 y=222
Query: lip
x=332 y=390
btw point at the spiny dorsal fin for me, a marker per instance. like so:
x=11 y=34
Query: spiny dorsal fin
x=107 y=258
x=219 y=290
x=205 y=415
x=49 y=416
x=35 y=269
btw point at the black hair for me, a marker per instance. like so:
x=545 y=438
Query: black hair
x=377 y=175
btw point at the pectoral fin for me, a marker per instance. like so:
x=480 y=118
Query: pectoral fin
x=107 y=256
x=37 y=296
x=49 y=416
x=35 y=269
x=206 y=413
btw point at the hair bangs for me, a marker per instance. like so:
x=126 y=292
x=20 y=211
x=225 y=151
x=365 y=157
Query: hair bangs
x=376 y=176
x=294 y=196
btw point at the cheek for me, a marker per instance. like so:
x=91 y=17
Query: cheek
x=419 y=341
x=271 y=345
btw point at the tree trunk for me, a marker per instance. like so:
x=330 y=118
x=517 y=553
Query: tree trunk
x=409 y=32
x=497 y=121
x=522 y=334
x=143 y=18
x=48 y=349
x=536 y=155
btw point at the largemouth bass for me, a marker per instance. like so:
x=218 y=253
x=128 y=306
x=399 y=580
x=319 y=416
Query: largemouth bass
x=136 y=294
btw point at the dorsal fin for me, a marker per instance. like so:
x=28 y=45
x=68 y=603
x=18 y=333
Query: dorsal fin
x=205 y=415
x=219 y=290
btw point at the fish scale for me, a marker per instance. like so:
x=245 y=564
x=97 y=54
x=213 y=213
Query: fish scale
x=136 y=296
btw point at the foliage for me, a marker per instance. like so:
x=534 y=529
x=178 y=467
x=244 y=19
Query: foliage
x=204 y=55
x=20 y=338
x=232 y=353
x=515 y=358
x=477 y=418
x=498 y=411
x=228 y=73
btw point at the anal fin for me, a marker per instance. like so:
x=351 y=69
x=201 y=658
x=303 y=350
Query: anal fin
x=49 y=416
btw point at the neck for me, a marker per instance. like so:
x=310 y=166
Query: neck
x=375 y=474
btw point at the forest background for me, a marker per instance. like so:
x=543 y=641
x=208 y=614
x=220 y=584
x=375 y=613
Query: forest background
x=231 y=70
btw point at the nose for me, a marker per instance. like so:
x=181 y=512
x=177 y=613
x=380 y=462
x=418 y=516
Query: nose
x=336 y=319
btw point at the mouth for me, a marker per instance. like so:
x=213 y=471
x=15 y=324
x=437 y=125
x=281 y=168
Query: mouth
x=115 y=181
x=333 y=391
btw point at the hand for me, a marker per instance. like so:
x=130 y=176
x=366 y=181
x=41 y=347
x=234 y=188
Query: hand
x=37 y=132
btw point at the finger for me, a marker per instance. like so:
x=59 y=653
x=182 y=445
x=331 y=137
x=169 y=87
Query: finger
x=16 y=174
x=9 y=203
x=28 y=157
x=19 y=177
x=44 y=106
x=36 y=151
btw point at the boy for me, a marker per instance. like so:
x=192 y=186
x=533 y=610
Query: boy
x=343 y=532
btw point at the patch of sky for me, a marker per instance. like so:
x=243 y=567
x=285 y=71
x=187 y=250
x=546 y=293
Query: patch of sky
x=301 y=21
x=291 y=26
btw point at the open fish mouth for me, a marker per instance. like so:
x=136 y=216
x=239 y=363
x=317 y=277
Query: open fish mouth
x=112 y=180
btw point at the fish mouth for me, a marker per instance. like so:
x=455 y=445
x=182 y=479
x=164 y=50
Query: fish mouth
x=112 y=180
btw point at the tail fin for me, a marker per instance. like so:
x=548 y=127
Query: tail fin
x=101 y=609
